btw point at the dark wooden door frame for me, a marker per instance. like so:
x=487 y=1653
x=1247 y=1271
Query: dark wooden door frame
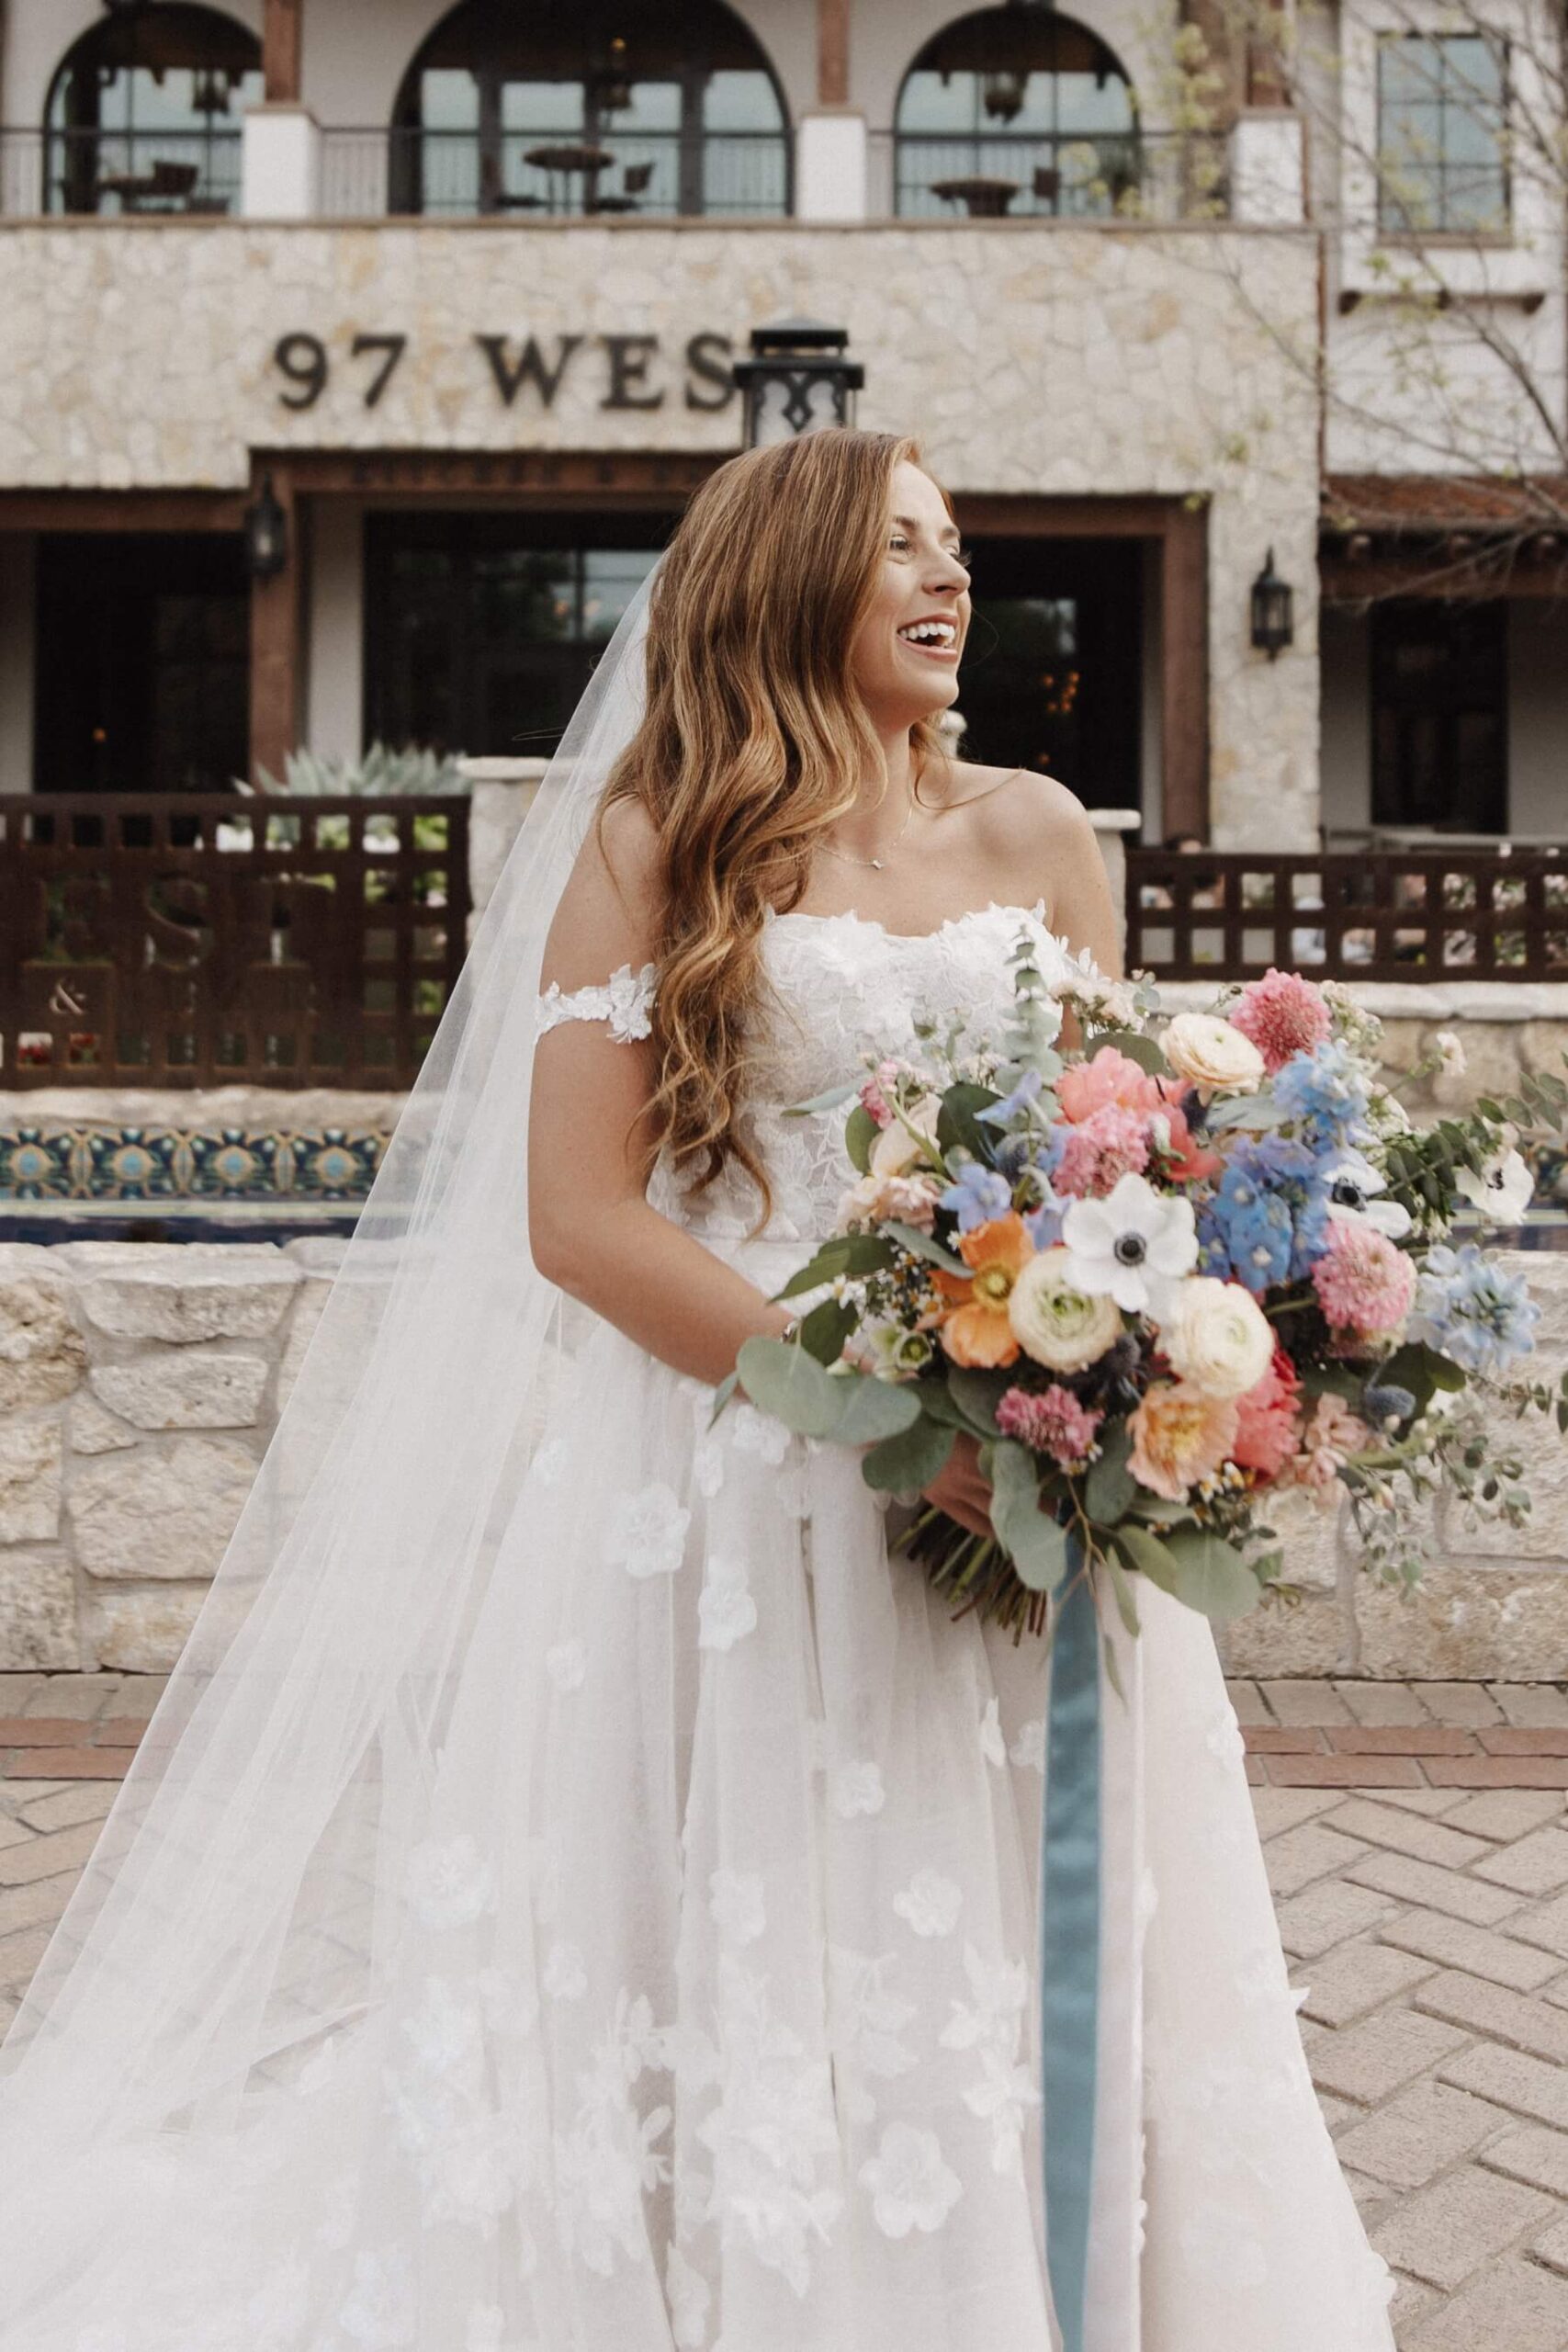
x=1182 y=531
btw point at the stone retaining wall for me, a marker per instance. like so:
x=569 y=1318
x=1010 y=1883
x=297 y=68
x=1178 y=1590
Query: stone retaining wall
x=140 y=1383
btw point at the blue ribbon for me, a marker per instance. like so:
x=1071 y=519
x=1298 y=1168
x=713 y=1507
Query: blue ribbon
x=1069 y=1947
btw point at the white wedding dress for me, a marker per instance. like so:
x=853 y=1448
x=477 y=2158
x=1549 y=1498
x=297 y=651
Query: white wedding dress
x=713 y=2018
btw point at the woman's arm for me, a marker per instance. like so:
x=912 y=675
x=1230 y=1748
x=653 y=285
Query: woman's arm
x=590 y=1227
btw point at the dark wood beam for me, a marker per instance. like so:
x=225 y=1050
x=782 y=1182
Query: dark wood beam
x=833 y=53
x=1184 y=669
x=282 y=41
x=121 y=510
x=278 y=640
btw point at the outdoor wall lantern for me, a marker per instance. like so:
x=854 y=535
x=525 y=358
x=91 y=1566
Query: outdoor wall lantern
x=797 y=381
x=266 y=534
x=1272 y=625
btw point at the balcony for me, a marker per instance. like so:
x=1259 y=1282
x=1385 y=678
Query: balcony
x=115 y=173
x=1162 y=176
x=545 y=173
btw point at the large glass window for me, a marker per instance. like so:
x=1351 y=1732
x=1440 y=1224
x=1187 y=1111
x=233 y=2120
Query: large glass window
x=1442 y=119
x=482 y=631
x=594 y=108
x=1439 y=715
x=1017 y=110
x=143 y=115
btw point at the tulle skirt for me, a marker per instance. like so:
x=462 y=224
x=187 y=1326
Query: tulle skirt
x=711 y=2016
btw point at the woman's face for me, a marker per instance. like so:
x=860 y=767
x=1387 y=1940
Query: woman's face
x=906 y=668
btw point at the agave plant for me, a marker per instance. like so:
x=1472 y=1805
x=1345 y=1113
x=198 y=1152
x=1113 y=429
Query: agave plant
x=381 y=770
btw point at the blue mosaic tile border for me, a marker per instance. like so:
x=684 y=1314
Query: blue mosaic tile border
x=109 y=1163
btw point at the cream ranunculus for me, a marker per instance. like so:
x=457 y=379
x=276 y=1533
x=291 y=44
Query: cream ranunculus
x=1216 y=1337
x=1211 y=1055
x=1057 y=1324
x=897 y=1152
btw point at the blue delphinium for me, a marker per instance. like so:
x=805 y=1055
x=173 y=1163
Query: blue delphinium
x=1268 y=1222
x=976 y=1194
x=1013 y=1106
x=1324 y=1092
x=1469 y=1307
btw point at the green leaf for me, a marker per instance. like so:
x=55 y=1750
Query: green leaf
x=975 y=1394
x=829 y=1101
x=1490 y=1110
x=1110 y=1486
x=825 y=1329
x=1112 y=1671
x=783 y=1380
x=860 y=1132
x=1126 y=1607
x=722 y=1395
x=1252 y=1111
x=956 y=1125
x=1145 y=1552
x=870 y=1409
x=846 y=1253
x=1209 y=1576
x=1158 y=1511
x=911 y=1458
x=1421 y=1369
x=1036 y=1544
x=923 y=1245
x=1144 y=1051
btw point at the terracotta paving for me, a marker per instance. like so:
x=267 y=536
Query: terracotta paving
x=1416 y=1836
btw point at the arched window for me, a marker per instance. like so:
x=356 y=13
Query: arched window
x=591 y=106
x=143 y=114
x=1016 y=110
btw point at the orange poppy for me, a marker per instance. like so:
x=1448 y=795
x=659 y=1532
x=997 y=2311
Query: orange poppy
x=975 y=1329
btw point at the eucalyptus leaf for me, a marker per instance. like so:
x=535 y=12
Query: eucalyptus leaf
x=1144 y=1051
x=1036 y=1544
x=781 y=1379
x=722 y=1395
x=923 y=1245
x=1245 y=1111
x=1112 y=1671
x=825 y=1329
x=846 y=1253
x=911 y=1458
x=829 y=1101
x=975 y=1394
x=1111 y=1487
x=860 y=1132
x=1144 y=1550
x=1211 y=1577
x=1126 y=1607
x=870 y=1409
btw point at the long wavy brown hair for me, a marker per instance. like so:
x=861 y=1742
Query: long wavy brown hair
x=754 y=743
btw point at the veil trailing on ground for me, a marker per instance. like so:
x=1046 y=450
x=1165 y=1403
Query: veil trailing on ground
x=243 y=1899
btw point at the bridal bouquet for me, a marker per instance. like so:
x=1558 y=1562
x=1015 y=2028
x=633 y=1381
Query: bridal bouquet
x=1158 y=1279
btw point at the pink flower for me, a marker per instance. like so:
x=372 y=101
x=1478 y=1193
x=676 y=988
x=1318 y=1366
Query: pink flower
x=1364 y=1283
x=1107 y=1077
x=1113 y=1142
x=1186 y=1162
x=1267 y=1423
x=873 y=1094
x=1332 y=1436
x=1282 y=1015
x=1052 y=1422
x=873 y=1199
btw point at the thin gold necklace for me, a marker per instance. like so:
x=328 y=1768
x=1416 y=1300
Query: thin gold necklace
x=875 y=864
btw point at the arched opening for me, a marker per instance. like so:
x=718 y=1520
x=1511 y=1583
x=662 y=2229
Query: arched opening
x=1017 y=110
x=602 y=106
x=144 y=113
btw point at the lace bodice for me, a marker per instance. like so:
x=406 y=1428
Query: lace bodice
x=841 y=984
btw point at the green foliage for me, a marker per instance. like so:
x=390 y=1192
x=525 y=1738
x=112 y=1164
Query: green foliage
x=1038 y=1544
x=860 y=1132
x=957 y=1128
x=846 y=1253
x=1111 y=1487
x=381 y=770
x=911 y=1458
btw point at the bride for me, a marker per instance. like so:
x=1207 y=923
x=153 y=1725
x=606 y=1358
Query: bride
x=579 y=1892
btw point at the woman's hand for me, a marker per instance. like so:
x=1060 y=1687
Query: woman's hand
x=960 y=1488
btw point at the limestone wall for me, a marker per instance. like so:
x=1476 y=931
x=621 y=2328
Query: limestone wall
x=139 y=1386
x=139 y=1382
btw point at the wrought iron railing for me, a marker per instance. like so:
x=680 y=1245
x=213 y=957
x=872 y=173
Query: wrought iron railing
x=115 y=173
x=455 y=175
x=189 y=940
x=1424 y=915
x=1122 y=174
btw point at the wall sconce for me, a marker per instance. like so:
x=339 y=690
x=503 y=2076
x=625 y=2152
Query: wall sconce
x=797 y=381
x=266 y=534
x=1273 y=597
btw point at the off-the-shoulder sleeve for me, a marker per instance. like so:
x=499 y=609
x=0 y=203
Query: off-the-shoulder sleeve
x=625 y=1002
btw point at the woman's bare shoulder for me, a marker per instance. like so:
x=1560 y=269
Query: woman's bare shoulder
x=1021 y=811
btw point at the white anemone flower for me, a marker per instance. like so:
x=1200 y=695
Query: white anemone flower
x=1133 y=1245
x=1354 y=1187
x=1502 y=1192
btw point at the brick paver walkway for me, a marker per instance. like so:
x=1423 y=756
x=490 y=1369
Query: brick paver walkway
x=1416 y=1836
